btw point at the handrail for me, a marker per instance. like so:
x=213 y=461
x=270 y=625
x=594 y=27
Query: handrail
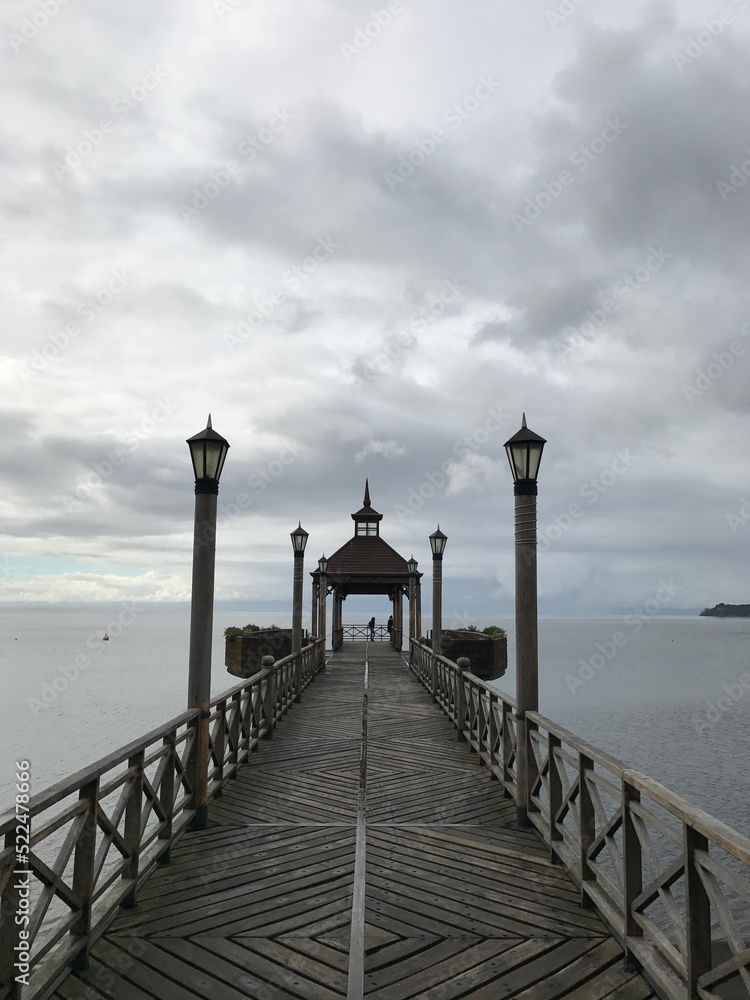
x=74 y=853
x=671 y=881
x=362 y=631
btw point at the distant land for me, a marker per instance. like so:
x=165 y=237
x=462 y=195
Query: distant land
x=727 y=611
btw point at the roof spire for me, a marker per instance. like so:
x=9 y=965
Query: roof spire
x=366 y=501
x=523 y=421
x=209 y=421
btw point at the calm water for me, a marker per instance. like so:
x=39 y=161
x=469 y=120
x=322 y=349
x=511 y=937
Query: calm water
x=666 y=698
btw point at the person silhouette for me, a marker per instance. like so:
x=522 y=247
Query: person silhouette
x=371 y=626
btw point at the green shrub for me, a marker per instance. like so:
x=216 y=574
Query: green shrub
x=232 y=631
x=494 y=632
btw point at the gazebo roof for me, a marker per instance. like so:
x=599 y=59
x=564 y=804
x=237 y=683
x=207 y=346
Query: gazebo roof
x=369 y=557
x=366 y=564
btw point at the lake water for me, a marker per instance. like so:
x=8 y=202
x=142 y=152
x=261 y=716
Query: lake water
x=665 y=695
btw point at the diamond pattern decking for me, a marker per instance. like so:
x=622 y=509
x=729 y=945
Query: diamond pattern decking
x=362 y=853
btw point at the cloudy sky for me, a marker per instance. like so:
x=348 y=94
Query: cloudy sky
x=367 y=238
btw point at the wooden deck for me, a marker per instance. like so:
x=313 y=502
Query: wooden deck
x=362 y=852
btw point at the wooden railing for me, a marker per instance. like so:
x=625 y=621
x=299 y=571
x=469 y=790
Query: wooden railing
x=361 y=633
x=72 y=855
x=671 y=881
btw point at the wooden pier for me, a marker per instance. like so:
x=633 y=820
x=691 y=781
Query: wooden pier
x=369 y=849
x=363 y=853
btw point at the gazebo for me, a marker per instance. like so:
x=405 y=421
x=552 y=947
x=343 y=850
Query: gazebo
x=367 y=564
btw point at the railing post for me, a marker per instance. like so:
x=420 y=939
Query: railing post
x=462 y=664
x=83 y=871
x=298 y=676
x=166 y=794
x=132 y=829
x=433 y=677
x=220 y=744
x=508 y=748
x=555 y=795
x=493 y=700
x=588 y=825
x=270 y=707
x=697 y=913
x=633 y=867
x=235 y=733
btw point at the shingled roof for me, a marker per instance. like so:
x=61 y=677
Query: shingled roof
x=367 y=557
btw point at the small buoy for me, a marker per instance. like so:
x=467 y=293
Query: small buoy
x=105 y=637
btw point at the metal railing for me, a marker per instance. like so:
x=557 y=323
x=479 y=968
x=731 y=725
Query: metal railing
x=671 y=882
x=77 y=852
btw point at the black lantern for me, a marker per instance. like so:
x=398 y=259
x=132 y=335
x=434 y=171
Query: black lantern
x=412 y=564
x=299 y=540
x=323 y=565
x=524 y=451
x=437 y=543
x=208 y=450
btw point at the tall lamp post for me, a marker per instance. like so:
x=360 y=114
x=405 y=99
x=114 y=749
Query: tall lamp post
x=323 y=592
x=437 y=544
x=524 y=452
x=299 y=540
x=208 y=450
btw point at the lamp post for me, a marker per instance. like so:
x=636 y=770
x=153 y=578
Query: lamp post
x=437 y=544
x=524 y=451
x=299 y=540
x=323 y=592
x=208 y=450
x=412 y=566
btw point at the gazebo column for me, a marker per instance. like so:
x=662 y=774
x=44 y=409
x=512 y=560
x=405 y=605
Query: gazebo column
x=398 y=621
x=337 y=637
x=418 y=610
x=314 y=609
x=322 y=595
x=335 y=607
